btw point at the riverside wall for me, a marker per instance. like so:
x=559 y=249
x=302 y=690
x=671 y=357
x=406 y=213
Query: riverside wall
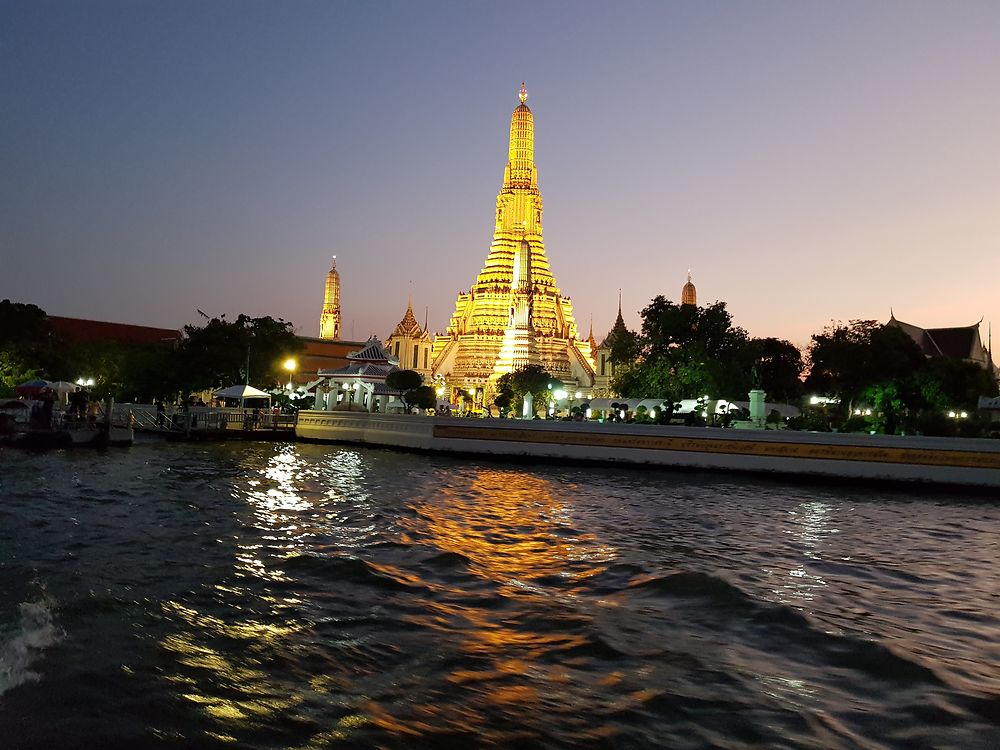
x=948 y=461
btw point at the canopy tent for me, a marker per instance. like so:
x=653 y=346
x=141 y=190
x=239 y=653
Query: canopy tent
x=241 y=392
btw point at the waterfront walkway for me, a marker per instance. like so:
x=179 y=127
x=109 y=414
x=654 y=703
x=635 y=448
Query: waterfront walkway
x=207 y=423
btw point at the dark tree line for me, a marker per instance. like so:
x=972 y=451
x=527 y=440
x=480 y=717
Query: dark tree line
x=684 y=351
x=208 y=357
x=687 y=351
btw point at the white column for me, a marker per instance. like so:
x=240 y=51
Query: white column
x=757 y=415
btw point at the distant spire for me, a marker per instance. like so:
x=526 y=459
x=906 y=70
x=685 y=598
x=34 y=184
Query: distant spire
x=523 y=93
x=619 y=302
x=689 y=295
x=425 y=318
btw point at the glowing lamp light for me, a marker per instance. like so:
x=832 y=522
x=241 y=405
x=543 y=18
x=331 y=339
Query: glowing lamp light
x=652 y=413
x=559 y=394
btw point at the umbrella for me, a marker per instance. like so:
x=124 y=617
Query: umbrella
x=31 y=387
x=62 y=386
x=62 y=390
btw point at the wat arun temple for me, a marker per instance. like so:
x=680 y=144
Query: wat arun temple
x=514 y=314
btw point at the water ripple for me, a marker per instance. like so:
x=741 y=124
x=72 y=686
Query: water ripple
x=302 y=596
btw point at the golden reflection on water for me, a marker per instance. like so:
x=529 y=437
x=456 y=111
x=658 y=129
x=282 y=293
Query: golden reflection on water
x=512 y=526
x=290 y=502
x=514 y=529
x=228 y=689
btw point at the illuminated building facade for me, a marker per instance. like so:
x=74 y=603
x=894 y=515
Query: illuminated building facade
x=411 y=345
x=329 y=319
x=514 y=315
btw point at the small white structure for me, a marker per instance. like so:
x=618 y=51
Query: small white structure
x=241 y=392
x=360 y=386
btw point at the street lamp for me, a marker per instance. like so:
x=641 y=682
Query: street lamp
x=290 y=366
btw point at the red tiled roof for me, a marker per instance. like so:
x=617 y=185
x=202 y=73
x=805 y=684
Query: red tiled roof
x=79 y=330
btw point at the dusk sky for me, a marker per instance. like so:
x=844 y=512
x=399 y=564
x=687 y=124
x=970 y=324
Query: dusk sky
x=808 y=161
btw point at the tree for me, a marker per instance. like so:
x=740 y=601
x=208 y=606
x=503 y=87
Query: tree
x=27 y=342
x=845 y=361
x=423 y=397
x=779 y=366
x=954 y=384
x=533 y=379
x=218 y=353
x=406 y=382
x=685 y=350
x=13 y=372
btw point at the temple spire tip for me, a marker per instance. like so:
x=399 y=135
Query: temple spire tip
x=523 y=93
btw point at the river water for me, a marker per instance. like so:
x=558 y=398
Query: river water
x=305 y=596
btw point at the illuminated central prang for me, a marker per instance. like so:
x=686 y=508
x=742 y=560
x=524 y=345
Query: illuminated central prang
x=514 y=315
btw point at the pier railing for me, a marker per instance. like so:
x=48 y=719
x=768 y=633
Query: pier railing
x=199 y=419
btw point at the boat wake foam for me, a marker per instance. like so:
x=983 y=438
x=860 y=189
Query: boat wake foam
x=21 y=647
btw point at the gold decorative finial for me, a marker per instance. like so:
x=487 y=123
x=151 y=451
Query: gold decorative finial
x=523 y=94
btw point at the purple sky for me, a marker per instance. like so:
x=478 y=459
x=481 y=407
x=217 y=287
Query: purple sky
x=809 y=161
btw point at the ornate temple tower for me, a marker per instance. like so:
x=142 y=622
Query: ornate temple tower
x=689 y=295
x=514 y=314
x=605 y=368
x=329 y=320
x=411 y=344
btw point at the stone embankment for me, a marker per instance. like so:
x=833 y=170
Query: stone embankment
x=944 y=461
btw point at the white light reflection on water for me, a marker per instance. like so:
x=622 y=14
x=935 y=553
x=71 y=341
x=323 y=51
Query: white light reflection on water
x=795 y=585
x=287 y=507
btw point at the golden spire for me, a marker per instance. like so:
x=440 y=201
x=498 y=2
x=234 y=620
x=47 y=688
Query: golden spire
x=329 y=319
x=520 y=171
x=689 y=295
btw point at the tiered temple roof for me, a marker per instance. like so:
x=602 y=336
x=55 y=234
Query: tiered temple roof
x=514 y=315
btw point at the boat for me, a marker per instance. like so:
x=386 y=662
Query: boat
x=21 y=427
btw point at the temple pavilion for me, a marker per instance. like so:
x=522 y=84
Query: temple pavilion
x=514 y=314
